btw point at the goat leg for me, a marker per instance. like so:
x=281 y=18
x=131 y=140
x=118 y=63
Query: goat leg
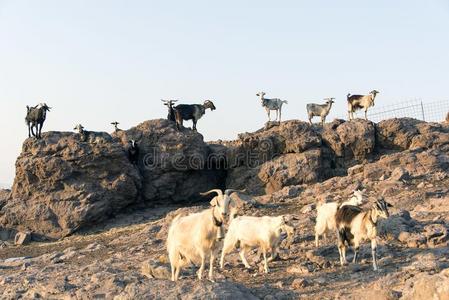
x=264 y=252
x=242 y=256
x=32 y=131
x=201 y=270
x=211 y=267
x=39 y=130
x=356 y=252
x=373 y=253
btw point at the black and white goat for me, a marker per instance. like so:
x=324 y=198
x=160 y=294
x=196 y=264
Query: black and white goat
x=171 y=111
x=272 y=104
x=319 y=110
x=36 y=117
x=355 y=225
x=357 y=102
x=191 y=112
x=133 y=152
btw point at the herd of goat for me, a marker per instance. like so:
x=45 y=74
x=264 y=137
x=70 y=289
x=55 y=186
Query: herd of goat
x=36 y=115
x=198 y=237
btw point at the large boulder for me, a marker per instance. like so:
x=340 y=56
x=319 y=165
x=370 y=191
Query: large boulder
x=273 y=175
x=353 y=140
x=65 y=181
x=175 y=165
x=425 y=286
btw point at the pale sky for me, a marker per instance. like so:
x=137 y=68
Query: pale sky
x=99 y=61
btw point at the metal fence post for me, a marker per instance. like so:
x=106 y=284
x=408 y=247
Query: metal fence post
x=422 y=111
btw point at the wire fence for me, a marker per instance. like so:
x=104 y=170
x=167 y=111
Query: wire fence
x=417 y=109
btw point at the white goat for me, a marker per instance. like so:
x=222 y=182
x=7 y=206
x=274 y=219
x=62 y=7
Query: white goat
x=194 y=238
x=325 y=219
x=251 y=232
x=319 y=110
x=356 y=225
x=356 y=102
x=272 y=104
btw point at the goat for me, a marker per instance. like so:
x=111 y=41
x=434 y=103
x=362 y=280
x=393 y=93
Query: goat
x=356 y=102
x=191 y=112
x=325 y=219
x=194 y=238
x=83 y=133
x=447 y=118
x=247 y=232
x=171 y=112
x=133 y=152
x=80 y=129
x=272 y=104
x=35 y=118
x=319 y=110
x=115 y=123
x=355 y=225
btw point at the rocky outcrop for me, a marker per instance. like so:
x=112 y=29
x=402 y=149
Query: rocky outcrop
x=407 y=133
x=175 y=165
x=64 y=181
x=295 y=153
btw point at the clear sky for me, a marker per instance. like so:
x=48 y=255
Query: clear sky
x=99 y=61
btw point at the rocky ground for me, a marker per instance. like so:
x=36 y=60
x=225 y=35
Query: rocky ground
x=124 y=256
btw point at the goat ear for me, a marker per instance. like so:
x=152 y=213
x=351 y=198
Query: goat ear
x=214 y=202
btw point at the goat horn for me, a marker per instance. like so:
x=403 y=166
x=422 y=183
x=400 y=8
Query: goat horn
x=218 y=191
x=229 y=191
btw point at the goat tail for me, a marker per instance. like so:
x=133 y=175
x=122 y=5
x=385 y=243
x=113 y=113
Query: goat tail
x=348 y=95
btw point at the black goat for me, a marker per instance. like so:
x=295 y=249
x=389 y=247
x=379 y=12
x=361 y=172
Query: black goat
x=35 y=118
x=191 y=112
x=171 y=112
x=133 y=152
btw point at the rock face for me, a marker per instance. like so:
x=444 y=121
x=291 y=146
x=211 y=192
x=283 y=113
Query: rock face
x=175 y=165
x=64 y=182
x=295 y=153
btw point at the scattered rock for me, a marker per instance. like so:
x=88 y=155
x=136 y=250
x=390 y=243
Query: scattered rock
x=300 y=283
x=22 y=238
x=154 y=269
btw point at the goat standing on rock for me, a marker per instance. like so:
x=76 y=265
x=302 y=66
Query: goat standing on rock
x=272 y=104
x=319 y=110
x=356 y=102
x=35 y=118
x=133 y=152
x=191 y=112
x=171 y=111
